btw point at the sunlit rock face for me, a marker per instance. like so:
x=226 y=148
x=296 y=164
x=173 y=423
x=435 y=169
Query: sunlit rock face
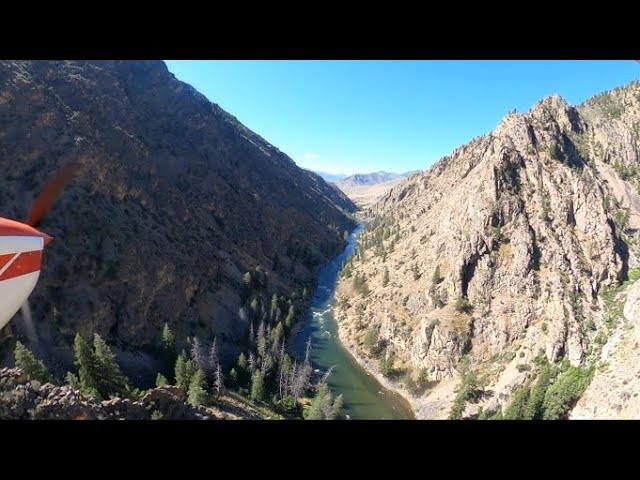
x=503 y=247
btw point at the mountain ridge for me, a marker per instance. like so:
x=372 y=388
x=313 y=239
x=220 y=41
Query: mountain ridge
x=175 y=201
x=504 y=247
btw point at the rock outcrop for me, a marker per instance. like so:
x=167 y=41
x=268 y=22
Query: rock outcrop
x=21 y=399
x=175 y=200
x=500 y=252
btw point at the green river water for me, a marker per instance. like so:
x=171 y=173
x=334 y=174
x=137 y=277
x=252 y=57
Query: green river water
x=364 y=397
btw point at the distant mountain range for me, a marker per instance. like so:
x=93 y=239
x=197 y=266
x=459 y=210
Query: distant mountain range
x=365 y=188
x=330 y=177
x=372 y=178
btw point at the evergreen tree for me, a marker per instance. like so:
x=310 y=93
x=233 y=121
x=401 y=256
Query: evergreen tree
x=185 y=368
x=197 y=388
x=167 y=350
x=284 y=372
x=161 y=380
x=266 y=365
x=73 y=380
x=323 y=406
x=277 y=334
x=274 y=307
x=234 y=379
x=87 y=378
x=247 y=286
x=262 y=346
x=261 y=331
x=242 y=363
x=33 y=368
x=111 y=380
x=257 y=386
x=255 y=306
x=291 y=314
x=168 y=340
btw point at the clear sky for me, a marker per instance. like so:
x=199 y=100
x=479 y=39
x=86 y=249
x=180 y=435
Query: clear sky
x=362 y=116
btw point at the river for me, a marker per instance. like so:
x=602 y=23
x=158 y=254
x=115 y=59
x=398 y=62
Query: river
x=364 y=397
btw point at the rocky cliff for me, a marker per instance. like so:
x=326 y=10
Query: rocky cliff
x=497 y=261
x=174 y=202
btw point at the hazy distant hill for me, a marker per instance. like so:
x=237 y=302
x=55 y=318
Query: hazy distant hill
x=366 y=188
x=332 y=177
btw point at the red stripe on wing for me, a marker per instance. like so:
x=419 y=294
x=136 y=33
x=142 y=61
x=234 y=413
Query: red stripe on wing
x=4 y=259
x=27 y=262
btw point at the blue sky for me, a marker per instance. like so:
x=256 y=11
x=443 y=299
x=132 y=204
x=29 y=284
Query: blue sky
x=362 y=116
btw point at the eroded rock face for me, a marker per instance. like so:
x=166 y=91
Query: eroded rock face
x=522 y=230
x=174 y=202
x=21 y=399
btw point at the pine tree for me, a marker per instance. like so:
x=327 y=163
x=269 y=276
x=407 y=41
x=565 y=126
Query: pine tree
x=87 y=378
x=248 y=283
x=167 y=350
x=257 y=386
x=161 y=380
x=323 y=406
x=234 y=379
x=255 y=306
x=111 y=380
x=242 y=363
x=262 y=346
x=291 y=314
x=274 y=307
x=277 y=334
x=168 y=340
x=266 y=365
x=185 y=368
x=283 y=374
x=261 y=330
x=197 y=388
x=33 y=368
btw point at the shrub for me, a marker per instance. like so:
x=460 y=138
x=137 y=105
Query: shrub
x=469 y=389
x=462 y=305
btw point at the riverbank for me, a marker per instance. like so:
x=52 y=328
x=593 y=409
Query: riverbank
x=371 y=368
x=363 y=396
x=434 y=405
